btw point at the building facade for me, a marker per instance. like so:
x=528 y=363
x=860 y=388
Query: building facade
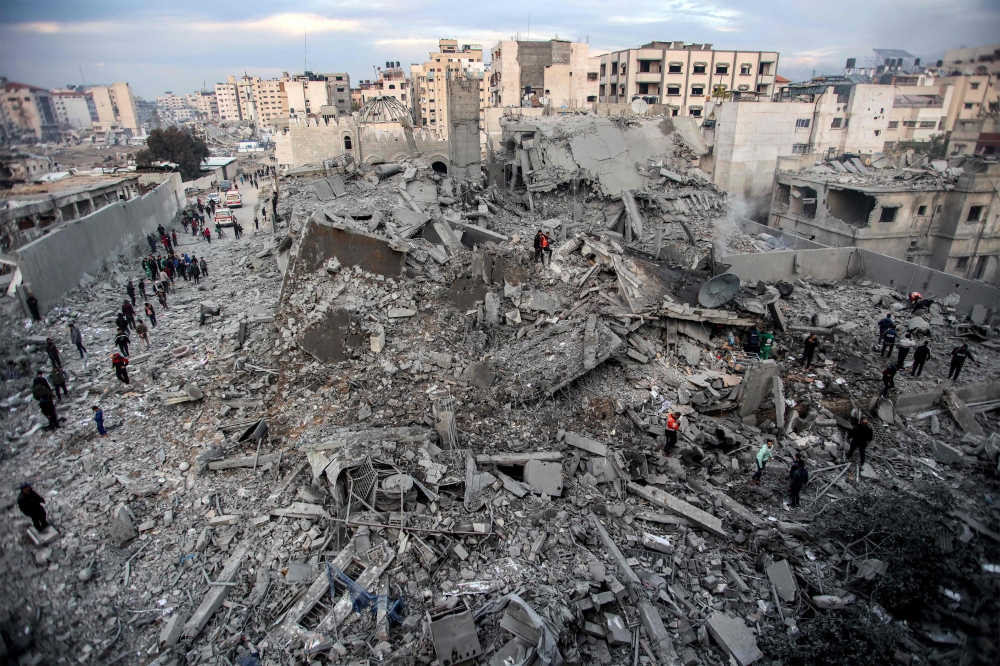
x=72 y=108
x=684 y=76
x=115 y=107
x=228 y=100
x=271 y=99
x=207 y=105
x=554 y=73
x=429 y=80
x=28 y=114
x=974 y=60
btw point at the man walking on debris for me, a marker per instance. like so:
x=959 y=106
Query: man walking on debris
x=798 y=476
x=151 y=313
x=859 y=438
x=77 y=339
x=99 y=420
x=920 y=356
x=204 y=266
x=122 y=341
x=762 y=457
x=142 y=331
x=538 y=246
x=130 y=290
x=48 y=409
x=58 y=377
x=30 y=503
x=32 y=304
x=889 y=340
x=546 y=247
x=889 y=379
x=958 y=356
x=808 y=349
x=766 y=343
x=905 y=345
x=53 y=352
x=884 y=325
x=119 y=363
x=129 y=313
x=673 y=426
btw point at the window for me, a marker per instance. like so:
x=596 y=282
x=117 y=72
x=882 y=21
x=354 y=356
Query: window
x=887 y=214
x=624 y=68
x=591 y=98
x=674 y=112
x=700 y=68
x=962 y=263
x=698 y=90
x=921 y=210
x=694 y=111
x=974 y=86
x=800 y=148
x=745 y=69
x=893 y=124
x=968 y=105
x=591 y=76
x=673 y=90
x=909 y=123
x=960 y=148
x=392 y=86
x=347 y=143
x=928 y=124
x=764 y=68
x=604 y=70
x=974 y=214
x=837 y=123
x=675 y=67
x=722 y=68
x=743 y=86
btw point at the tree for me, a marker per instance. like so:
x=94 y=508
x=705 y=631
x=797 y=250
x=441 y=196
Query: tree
x=178 y=145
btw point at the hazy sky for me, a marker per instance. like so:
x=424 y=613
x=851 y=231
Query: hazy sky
x=177 y=44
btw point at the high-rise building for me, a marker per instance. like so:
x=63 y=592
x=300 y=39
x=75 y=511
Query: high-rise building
x=27 y=113
x=554 y=73
x=207 y=105
x=115 y=106
x=429 y=81
x=271 y=99
x=72 y=108
x=228 y=100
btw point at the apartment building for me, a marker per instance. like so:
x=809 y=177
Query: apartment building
x=918 y=113
x=72 y=107
x=684 y=76
x=340 y=92
x=429 y=80
x=206 y=104
x=115 y=107
x=271 y=99
x=974 y=60
x=171 y=101
x=27 y=113
x=391 y=82
x=556 y=73
x=228 y=100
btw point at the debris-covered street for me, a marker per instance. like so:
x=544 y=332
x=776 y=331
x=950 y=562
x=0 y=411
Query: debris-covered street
x=502 y=420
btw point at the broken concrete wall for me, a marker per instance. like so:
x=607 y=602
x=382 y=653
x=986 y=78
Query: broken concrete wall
x=463 y=118
x=323 y=240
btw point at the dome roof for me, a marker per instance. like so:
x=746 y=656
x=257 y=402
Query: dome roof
x=384 y=109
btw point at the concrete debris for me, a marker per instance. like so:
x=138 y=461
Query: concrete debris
x=383 y=429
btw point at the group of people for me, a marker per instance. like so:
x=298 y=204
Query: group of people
x=760 y=343
x=888 y=338
x=543 y=247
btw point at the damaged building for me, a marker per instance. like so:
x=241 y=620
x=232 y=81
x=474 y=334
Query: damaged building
x=386 y=430
x=944 y=215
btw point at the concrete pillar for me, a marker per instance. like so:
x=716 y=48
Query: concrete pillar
x=463 y=125
x=757 y=383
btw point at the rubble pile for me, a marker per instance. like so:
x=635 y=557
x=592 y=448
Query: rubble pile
x=403 y=439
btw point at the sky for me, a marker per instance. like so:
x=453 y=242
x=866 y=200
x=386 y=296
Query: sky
x=178 y=45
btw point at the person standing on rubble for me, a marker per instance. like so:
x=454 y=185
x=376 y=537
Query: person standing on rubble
x=889 y=379
x=195 y=269
x=48 y=409
x=884 y=325
x=99 y=420
x=30 y=503
x=203 y=265
x=58 y=377
x=958 y=356
x=889 y=340
x=538 y=246
x=142 y=332
x=798 y=476
x=859 y=438
x=142 y=289
x=119 y=363
x=673 y=426
x=53 y=353
x=256 y=223
x=920 y=356
x=809 y=346
x=208 y=235
x=161 y=296
x=905 y=345
x=129 y=313
x=762 y=457
x=766 y=343
x=151 y=313
x=753 y=341
x=77 y=339
x=547 y=247
x=130 y=290
x=122 y=341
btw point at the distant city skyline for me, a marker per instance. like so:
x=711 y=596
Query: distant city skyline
x=182 y=45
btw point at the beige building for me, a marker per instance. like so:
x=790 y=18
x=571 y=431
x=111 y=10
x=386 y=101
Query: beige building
x=429 y=80
x=684 y=76
x=115 y=106
x=207 y=105
x=554 y=73
x=918 y=113
x=248 y=104
x=974 y=60
x=72 y=108
x=27 y=113
x=271 y=99
x=228 y=100
x=171 y=101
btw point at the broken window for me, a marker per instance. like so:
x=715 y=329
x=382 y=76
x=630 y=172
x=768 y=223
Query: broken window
x=675 y=67
x=837 y=123
x=591 y=76
x=968 y=105
x=745 y=69
x=722 y=68
x=974 y=86
x=764 y=68
x=803 y=201
x=961 y=263
x=591 y=99
x=674 y=112
x=850 y=206
x=921 y=210
x=623 y=69
x=802 y=122
x=700 y=68
x=888 y=214
x=673 y=90
x=782 y=193
x=975 y=212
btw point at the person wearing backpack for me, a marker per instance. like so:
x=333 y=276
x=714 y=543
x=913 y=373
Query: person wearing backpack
x=798 y=477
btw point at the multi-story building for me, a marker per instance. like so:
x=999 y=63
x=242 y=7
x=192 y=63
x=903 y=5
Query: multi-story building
x=392 y=82
x=248 y=104
x=72 y=108
x=974 y=60
x=918 y=113
x=340 y=92
x=115 y=107
x=429 y=81
x=555 y=73
x=171 y=101
x=306 y=93
x=684 y=76
x=271 y=99
x=28 y=114
x=207 y=105
x=228 y=100
x=145 y=110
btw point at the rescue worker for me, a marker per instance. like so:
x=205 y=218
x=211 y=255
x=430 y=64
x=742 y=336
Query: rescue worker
x=884 y=325
x=920 y=356
x=673 y=426
x=859 y=438
x=30 y=503
x=809 y=346
x=766 y=343
x=958 y=356
x=762 y=457
x=798 y=476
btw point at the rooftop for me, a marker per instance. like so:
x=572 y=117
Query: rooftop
x=73 y=184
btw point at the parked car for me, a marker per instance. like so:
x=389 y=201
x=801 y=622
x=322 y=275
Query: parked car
x=224 y=217
x=225 y=186
x=234 y=199
x=214 y=196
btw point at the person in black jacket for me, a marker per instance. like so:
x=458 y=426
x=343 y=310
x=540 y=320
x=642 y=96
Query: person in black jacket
x=859 y=437
x=538 y=246
x=130 y=290
x=889 y=379
x=798 y=476
x=32 y=303
x=958 y=356
x=808 y=349
x=920 y=356
x=30 y=503
x=122 y=341
x=53 y=352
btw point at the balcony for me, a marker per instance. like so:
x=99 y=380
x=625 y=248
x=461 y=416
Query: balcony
x=648 y=77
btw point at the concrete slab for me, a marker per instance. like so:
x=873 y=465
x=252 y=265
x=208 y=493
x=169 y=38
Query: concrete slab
x=544 y=478
x=543 y=301
x=735 y=637
x=213 y=600
x=693 y=514
x=756 y=386
x=618 y=633
x=781 y=576
x=476 y=235
x=480 y=374
x=979 y=313
x=43 y=538
x=122 y=529
x=587 y=444
x=323 y=240
x=171 y=631
x=945 y=453
x=962 y=414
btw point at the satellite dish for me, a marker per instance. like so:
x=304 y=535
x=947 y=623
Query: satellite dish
x=639 y=106
x=720 y=289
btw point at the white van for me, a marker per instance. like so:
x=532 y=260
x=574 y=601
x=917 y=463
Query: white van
x=234 y=199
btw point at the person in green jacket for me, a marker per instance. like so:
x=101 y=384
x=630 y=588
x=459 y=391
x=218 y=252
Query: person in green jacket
x=762 y=457
x=766 y=342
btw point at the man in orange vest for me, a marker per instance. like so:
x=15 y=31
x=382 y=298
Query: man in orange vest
x=672 y=427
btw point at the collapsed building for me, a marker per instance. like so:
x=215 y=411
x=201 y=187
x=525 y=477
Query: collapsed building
x=389 y=434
